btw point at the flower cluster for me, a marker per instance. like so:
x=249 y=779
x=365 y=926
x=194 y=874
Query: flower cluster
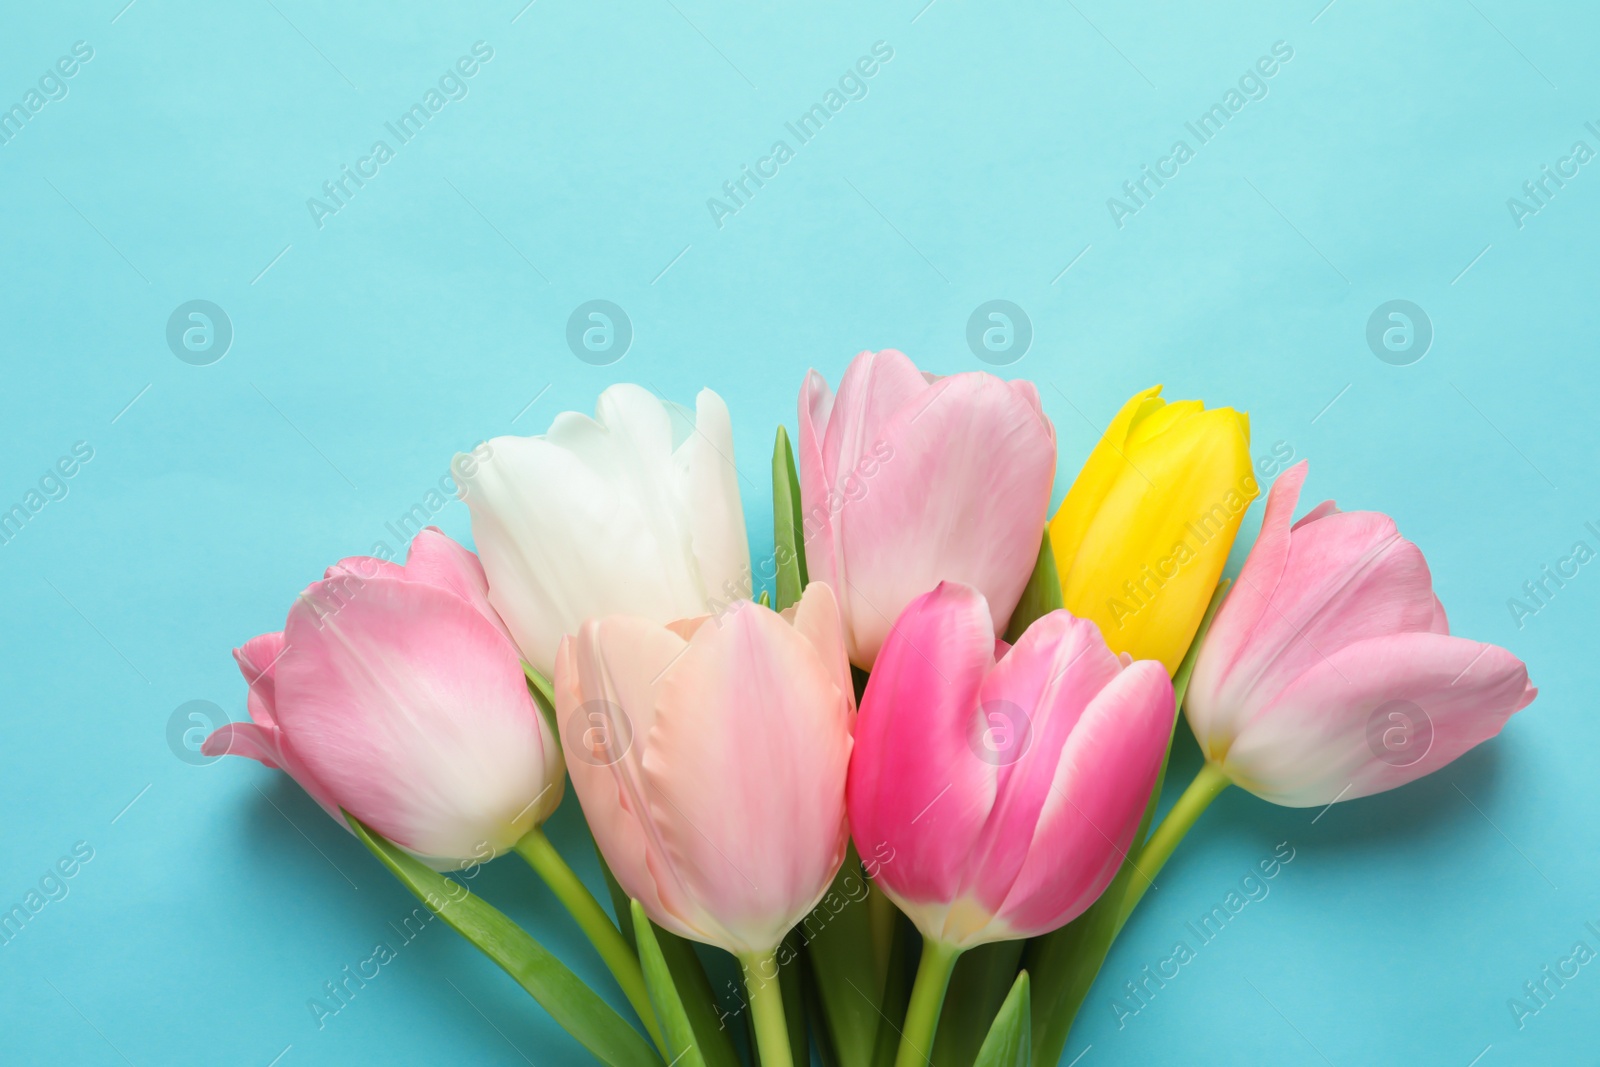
x=975 y=696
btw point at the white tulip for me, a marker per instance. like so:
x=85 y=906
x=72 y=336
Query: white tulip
x=634 y=512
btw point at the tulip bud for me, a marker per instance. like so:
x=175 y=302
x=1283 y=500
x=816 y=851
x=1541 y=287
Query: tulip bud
x=709 y=756
x=907 y=480
x=1142 y=536
x=1329 y=673
x=1005 y=786
x=394 y=693
x=635 y=511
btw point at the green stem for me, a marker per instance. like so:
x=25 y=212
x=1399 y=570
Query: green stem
x=766 y=1007
x=597 y=926
x=927 y=999
x=1208 y=784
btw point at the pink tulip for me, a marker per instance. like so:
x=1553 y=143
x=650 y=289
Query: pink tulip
x=709 y=756
x=1001 y=787
x=1330 y=673
x=395 y=693
x=907 y=480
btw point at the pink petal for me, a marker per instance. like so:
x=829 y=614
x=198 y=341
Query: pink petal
x=1093 y=808
x=1325 y=737
x=258 y=661
x=816 y=618
x=963 y=498
x=607 y=669
x=1036 y=695
x=412 y=710
x=917 y=789
x=436 y=560
x=745 y=769
x=1345 y=578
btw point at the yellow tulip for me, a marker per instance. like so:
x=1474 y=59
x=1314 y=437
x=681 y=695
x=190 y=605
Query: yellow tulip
x=1143 y=534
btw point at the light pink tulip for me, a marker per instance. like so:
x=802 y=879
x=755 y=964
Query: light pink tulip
x=395 y=693
x=999 y=789
x=1330 y=673
x=709 y=756
x=907 y=480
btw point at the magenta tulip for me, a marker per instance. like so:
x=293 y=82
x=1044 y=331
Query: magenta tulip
x=1003 y=787
x=907 y=480
x=1330 y=673
x=395 y=693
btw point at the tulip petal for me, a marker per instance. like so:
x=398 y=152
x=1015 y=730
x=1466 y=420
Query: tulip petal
x=617 y=661
x=816 y=618
x=258 y=662
x=601 y=517
x=1094 y=805
x=968 y=438
x=918 y=791
x=361 y=695
x=1326 y=736
x=760 y=864
x=716 y=518
x=1029 y=705
x=436 y=559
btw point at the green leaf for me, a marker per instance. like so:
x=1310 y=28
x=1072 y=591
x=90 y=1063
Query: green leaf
x=1010 y=1041
x=982 y=978
x=681 y=1040
x=1040 y=596
x=788 y=537
x=579 y=1009
x=896 y=993
x=688 y=977
x=838 y=936
x=1065 y=963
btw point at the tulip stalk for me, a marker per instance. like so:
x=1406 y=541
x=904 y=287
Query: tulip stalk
x=596 y=925
x=766 y=1007
x=927 y=1001
x=1208 y=784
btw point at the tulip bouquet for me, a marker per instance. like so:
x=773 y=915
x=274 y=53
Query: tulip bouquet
x=909 y=792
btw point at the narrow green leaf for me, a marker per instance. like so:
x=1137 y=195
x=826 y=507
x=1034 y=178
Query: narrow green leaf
x=579 y=1009
x=1065 y=963
x=838 y=935
x=688 y=977
x=681 y=1041
x=788 y=526
x=982 y=979
x=1010 y=1040
x=896 y=993
x=1040 y=596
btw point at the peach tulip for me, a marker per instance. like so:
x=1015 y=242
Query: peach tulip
x=709 y=756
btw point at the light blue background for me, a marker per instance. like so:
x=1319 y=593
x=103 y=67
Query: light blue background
x=430 y=313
